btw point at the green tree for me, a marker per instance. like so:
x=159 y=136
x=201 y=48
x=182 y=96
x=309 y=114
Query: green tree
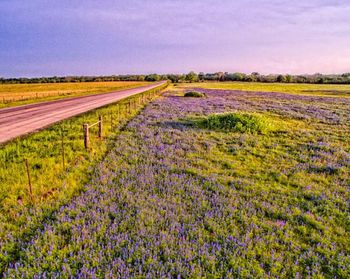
x=192 y=77
x=238 y=76
x=201 y=76
x=152 y=77
x=289 y=78
x=173 y=78
x=281 y=78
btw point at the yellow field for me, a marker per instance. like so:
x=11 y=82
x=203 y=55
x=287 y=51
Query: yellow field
x=17 y=94
x=334 y=90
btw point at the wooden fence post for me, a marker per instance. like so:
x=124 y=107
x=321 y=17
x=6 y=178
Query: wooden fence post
x=100 y=127
x=29 y=180
x=62 y=149
x=112 y=118
x=86 y=136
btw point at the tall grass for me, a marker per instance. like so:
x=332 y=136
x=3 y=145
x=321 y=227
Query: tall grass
x=194 y=94
x=237 y=122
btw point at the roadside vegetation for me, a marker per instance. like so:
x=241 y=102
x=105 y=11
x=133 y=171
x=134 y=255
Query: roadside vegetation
x=54 y=179
x=20 y=94
x=174 y=199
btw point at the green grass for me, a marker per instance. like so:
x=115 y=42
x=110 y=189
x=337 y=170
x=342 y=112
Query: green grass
x=194 y=94
x=21 y=94
x=295 y=88
x=52 y=183
x=237 y=122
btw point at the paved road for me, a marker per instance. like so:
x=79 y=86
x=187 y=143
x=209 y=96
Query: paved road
x=21 y=120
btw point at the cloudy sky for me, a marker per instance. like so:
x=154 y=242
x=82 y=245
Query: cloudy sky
x=70 y=37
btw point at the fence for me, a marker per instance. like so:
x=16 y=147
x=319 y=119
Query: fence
x=121 y=111
x=86 y=128
x=32 y=96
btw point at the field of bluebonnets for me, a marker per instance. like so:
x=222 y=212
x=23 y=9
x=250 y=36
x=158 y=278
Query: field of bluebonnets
x=177 y=199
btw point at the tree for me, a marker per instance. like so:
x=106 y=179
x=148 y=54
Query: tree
x=173 y=78
x=221 y=76
x=201 y=76
x=289 y=78
x=251 y=78
x=238 y=77
x=152 y=77
x=320 y=80
x=192 y=77
x=281 y=78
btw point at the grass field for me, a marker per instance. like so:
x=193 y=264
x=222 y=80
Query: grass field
x=53 y=183
x=294 y=88
x=19 y=94
x=229 y=185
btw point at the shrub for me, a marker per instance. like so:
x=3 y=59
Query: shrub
x=194 y=94
x=238 y=122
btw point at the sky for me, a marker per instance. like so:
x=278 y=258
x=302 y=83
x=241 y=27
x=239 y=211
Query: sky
x=103 y=37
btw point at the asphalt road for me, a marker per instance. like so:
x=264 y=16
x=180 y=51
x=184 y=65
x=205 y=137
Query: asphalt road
x=21 y=120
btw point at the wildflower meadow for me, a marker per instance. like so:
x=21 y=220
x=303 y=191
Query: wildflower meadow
x=176 y=198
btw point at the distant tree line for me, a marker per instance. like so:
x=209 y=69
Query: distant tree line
x=56 y=79
x=256 y=77
x=192 y=77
